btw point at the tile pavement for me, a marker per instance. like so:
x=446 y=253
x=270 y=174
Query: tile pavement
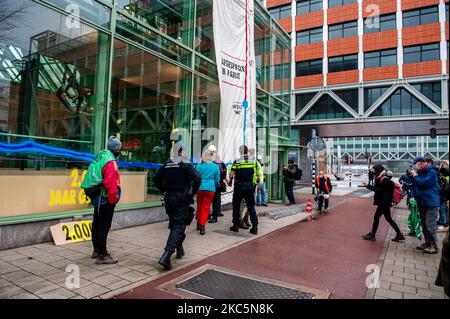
x=39 y=271
x=405 y=272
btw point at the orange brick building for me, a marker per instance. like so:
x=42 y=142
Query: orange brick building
x=366 y=60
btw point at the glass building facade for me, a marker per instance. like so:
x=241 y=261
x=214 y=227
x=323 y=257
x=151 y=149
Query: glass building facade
x=73 y=72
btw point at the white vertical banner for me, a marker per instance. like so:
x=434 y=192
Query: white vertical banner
x=233 y=25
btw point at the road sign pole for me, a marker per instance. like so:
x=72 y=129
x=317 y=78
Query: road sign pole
x=313 y=174
x=350 y=180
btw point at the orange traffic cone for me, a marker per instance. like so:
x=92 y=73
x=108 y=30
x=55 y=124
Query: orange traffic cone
x=309 y=210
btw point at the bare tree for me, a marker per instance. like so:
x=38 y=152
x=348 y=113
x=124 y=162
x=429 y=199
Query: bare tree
x=10 y=14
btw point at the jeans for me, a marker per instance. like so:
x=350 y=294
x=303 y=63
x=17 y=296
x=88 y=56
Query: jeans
x=101 y=225
x=289 y=187
x=246 y=192
x=261 y=194
x=443 y=219
x=386 y=211
x=429 y=217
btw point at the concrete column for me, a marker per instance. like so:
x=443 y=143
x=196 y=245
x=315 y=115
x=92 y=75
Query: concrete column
x=360 y=42
x=325 y=41
x=399 y=20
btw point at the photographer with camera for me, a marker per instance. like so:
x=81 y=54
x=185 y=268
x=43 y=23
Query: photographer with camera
x=290 y=171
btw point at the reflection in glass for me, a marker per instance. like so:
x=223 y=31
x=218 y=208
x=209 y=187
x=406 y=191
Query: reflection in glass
x=53 y=78
x=171 y=17
x=149 y=100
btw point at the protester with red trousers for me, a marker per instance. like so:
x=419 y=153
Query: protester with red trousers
x=210 y=173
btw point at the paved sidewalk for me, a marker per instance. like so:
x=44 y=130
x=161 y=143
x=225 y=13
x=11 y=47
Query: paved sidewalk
x=39 y=271
x=405 y=272
x=326 y=254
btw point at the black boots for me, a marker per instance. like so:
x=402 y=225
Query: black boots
x=198 y=226
x=243 y=225
x=369 y=236
x=165 y=260
x=398 y=237
x=180 y=251
x=235 y=228
x=254 y=230
x=202 y=229
x=246 y=221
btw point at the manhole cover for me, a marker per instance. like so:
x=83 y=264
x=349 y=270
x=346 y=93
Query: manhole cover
x=220 y=285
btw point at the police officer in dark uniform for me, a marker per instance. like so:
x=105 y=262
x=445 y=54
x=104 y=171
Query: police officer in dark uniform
x=179 y=181
x=246 y=171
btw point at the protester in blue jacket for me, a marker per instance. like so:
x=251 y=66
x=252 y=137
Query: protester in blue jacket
x=426 y=193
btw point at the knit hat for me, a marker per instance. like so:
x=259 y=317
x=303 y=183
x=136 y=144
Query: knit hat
x=114 y=144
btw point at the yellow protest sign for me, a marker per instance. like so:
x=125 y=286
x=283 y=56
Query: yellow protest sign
x=73 y=232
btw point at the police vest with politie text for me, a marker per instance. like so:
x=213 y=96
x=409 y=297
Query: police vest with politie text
x=247 y=171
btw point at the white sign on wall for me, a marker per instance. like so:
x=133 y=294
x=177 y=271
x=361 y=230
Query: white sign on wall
x=233 y=24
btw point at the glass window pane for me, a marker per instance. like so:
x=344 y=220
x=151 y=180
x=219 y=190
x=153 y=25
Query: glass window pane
x=388 y=60
x=67 y=69
x=204 y=38
x=152 y=40
x=89 y=10
x=171 y=17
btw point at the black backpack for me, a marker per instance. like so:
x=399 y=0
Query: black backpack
x=298 y=173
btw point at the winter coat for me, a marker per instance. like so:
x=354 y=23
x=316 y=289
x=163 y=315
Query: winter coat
x=384 y=191
x=290 y=173
x=426 y=187
x=324 y=185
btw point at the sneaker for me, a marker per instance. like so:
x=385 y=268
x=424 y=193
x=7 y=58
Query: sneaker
x=235 y=228
x=212 y=220
x=106 y=260
x=258 y=204
x=265 y=205
x=422 y=247
x=325 y=211
x=369 y=236
x=398 y=237
x=442 y=229
x=411 y=233
x=220 y=215
x=430 y=250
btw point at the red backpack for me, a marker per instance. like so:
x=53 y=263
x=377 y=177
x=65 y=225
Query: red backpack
x=397 y=196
